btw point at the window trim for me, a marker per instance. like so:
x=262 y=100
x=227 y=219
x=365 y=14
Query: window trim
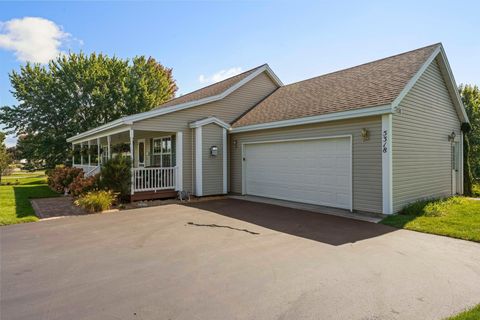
x=161 y=153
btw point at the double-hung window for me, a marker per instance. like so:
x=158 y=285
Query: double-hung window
x=162 y=152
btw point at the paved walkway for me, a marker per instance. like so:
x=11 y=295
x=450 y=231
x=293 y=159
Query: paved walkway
x=56 y=207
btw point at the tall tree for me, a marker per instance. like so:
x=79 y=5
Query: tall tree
x=471 y=99
x=78 y=92
x=5 y=158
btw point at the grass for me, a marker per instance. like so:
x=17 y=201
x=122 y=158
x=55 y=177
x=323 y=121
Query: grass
x=15 y=205
x=456 y=217
x=471 y=314
x=476 y=189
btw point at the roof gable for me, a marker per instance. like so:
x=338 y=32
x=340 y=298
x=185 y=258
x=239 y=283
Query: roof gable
x=438 y=56
x=216 y=88
x=196 y=98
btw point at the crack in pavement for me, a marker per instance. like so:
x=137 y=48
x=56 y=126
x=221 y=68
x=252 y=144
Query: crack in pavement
x=220 y=226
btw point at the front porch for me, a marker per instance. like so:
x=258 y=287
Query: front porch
x=155 y=156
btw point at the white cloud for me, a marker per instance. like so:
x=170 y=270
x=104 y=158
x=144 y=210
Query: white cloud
x=220 y=75
x=32 y=39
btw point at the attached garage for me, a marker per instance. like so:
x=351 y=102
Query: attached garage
x=371 y=138
x=315 y=170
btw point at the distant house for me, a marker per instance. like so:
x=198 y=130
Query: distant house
x=369 y=138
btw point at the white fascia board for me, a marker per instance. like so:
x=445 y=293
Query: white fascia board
x=92 y=136
x=449 y=80
x=157 y=112
x=273 y=76
x=203 y=122
x=186 y=105
x=415 y=78
x=104 y=127
x=364 y=112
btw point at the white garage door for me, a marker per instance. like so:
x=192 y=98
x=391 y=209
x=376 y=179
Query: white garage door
x=312 y=171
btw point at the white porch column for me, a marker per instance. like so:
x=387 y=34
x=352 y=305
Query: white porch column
x=179 y=159
x=387 y=185
x=225 y=183
x=81 y=153
x=99 y=157
x=109 y=154
x=131 y=159
x=89 y=156
x=73 y=154
x=198 y=162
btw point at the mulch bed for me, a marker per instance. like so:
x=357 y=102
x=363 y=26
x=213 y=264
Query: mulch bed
x=63 y=206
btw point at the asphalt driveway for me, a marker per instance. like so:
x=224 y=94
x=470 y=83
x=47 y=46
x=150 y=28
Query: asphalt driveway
x=231 y=259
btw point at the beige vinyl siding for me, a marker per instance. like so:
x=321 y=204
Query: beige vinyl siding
x=212 y=135
x=228 y=110
x=367 y=157
x=421 y=151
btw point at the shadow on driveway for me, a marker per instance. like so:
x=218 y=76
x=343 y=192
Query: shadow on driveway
x=324 y=228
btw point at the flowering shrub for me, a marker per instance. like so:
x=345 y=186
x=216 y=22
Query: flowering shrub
x=60 y=178
x=96 y=201
x=81 y=184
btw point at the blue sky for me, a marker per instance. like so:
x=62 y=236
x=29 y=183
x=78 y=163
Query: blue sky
x=298 y=39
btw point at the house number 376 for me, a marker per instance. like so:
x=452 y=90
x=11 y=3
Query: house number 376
x=384 y=141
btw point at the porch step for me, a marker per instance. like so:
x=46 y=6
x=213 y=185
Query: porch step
x=152 y=195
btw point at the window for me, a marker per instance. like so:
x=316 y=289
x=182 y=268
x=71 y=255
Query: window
x=162 y=152
x=455 y=156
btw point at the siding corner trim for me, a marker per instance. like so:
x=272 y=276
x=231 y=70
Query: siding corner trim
x=387 y=168
x=198 y=162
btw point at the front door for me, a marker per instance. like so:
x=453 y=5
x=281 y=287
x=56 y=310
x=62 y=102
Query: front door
x=141 y=153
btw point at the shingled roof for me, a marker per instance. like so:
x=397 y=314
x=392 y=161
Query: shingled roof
x=372 y=84
x=211 y=90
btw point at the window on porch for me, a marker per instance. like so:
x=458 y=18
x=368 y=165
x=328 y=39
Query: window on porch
x=163 y=152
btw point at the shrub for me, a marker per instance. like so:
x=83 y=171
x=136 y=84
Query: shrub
x=431 y=207
x=96 y=201
x=81 y=184
x=60 y=178
x=116 y=176
x=476 y=189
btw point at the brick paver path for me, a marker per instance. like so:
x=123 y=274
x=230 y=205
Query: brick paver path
x=56 y=207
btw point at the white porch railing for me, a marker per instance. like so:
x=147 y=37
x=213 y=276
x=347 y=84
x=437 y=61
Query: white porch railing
x=88 y=170
x=153 y=179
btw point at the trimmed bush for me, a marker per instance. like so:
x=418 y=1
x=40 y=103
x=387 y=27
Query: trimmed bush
x=60 y=178
x=96 y=201
x=81 y=184
x=116 y=176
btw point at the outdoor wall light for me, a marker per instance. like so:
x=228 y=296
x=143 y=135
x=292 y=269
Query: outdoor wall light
x=451 y=136
x=214 y=151
x=365 y=134
x=235 y=143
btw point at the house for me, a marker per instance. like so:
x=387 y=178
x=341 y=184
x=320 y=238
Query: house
x=372 y=138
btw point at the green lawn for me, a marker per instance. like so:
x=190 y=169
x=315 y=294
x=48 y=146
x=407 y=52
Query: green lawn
x=456 y=217
x=476 y=190
x=472 y=314
x=15 y=206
